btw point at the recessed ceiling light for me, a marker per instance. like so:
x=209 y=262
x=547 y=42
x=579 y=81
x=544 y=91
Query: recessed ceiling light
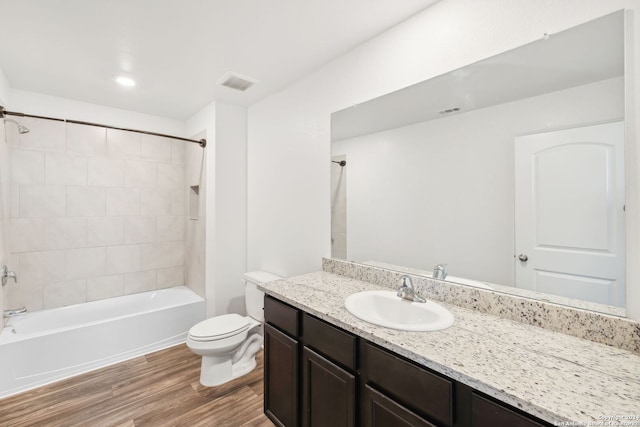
x=125 y=81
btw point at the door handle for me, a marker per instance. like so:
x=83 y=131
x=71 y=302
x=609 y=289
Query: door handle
x=523 y=257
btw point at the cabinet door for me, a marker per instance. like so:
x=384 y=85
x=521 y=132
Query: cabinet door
x=280 y=377
x=384 y=412
x=328 y=393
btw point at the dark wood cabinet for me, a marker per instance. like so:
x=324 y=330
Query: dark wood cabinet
x=487 y=413
x=383 y=411
x=318 y=375
x=329 y=393
x=426 y=393
x=280 y=377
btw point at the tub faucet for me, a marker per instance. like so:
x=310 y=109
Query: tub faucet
x=6 y=275
x=439 y=272
x=15 y=312
x=408 y=292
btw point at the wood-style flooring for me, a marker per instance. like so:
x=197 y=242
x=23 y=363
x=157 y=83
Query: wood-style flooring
x=159 y=389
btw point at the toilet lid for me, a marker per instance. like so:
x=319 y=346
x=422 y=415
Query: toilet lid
x=219 y=326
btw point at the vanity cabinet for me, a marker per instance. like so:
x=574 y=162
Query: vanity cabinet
x=317 y=375
x=281 y=363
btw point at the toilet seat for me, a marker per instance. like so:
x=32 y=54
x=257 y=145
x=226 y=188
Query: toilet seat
x=219 y=327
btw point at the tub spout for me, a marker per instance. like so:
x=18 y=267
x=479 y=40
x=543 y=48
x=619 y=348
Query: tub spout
x=15 y=312
x=6 y=275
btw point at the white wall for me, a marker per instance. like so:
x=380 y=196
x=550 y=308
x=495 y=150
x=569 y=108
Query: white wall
x=442 y=191
x=63 y=108
x=289 y=139
x=226 y=200
x=5 y=90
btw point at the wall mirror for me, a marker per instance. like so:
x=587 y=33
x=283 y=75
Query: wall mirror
x=509 y=171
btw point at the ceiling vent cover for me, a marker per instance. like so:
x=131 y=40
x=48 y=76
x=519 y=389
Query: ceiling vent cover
x=236 y=81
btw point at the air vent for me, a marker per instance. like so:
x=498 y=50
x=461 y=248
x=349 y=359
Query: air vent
x=449 y=110
x=236 y=81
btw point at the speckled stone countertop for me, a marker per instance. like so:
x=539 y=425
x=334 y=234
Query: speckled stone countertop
x=553 y=376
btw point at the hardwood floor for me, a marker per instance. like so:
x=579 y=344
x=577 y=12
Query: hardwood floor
x=159 y=389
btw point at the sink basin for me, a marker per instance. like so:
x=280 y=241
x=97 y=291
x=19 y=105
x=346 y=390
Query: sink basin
x=385 y=308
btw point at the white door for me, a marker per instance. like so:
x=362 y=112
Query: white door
x=569 y=213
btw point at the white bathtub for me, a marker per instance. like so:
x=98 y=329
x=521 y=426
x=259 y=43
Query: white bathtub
x=50 y=345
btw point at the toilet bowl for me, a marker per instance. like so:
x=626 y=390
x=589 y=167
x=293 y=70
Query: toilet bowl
x=228 y=343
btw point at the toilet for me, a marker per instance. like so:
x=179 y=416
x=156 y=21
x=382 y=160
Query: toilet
x=228 y=343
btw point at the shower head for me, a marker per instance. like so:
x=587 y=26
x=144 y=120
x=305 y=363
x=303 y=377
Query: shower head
x=21 y=129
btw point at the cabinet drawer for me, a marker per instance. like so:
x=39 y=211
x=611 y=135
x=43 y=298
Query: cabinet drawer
x=486 y=413
x=334 y=343
x=421 y=391
x=384 y=412
x=281 y=315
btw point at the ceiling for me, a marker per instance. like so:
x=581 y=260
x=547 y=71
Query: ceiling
x=581 y=55
x=177 y=51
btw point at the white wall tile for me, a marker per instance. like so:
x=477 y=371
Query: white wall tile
x=168 y=277
x=26 y=235
x=139 y=229
x=86 y=262
x=105 y=231
x=105 y=172
x=86 y=140
x=60 y=294
x=41 y=267
x=65 y=233
x=105 y=287
x=12 y=135
x=86 y=201
x=41 y=201
x=15 y=200
x=140 y=174
x=27 y=167
x=123 y=259
x=177 y=151
x=25 y=294
x=170 y=176
x=171 y=228
x=155 y=202
x=123 y=201
x=123 y=144
x=63 y=169
x=140 y=281
x=155 y=148
x=178 y=203
x=161 y=255
x=44 y=135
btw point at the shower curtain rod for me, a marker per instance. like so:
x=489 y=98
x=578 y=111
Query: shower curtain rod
x=202 y=142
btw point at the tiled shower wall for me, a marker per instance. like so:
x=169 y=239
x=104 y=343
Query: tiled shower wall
x=95 y=213
x=4 y=208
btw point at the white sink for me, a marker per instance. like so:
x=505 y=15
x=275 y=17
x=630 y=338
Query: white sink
x=385 y=308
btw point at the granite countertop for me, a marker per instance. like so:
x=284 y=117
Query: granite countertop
x=552 y=376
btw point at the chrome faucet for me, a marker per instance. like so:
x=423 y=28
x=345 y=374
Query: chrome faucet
x=5 y=274
x=439 y=272
x=408 y=292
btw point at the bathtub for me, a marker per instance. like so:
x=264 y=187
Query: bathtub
x=49 y=345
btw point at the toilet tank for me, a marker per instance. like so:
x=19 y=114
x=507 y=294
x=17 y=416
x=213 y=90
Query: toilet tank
x=254 y=298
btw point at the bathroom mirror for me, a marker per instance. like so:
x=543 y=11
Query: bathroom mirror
x=510 y=171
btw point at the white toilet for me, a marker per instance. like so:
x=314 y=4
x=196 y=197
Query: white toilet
x=228 y=343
